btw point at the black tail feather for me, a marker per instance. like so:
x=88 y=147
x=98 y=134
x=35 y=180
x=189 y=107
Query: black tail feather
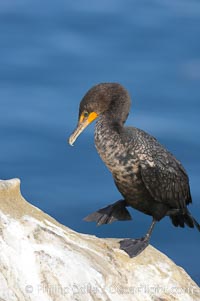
x=196 y=224
x=180 y=220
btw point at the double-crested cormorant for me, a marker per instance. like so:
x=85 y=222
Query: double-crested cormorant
x=148 y=176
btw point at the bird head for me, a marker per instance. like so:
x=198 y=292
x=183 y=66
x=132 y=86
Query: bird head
x=99 y=99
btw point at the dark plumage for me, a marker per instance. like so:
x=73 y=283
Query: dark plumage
x=148 y=176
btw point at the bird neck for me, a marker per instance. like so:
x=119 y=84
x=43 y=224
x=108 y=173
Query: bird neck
x=110 y=123
x=107 y=139
x=118 y=111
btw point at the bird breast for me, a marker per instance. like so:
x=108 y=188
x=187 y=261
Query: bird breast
x=113 y=151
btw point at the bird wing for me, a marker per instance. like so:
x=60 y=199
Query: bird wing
x=165 y=178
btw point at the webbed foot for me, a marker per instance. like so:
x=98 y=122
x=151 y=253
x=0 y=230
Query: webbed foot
x=110 y=214
x=134 y=247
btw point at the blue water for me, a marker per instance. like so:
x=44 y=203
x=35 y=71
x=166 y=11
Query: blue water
x=51 y=53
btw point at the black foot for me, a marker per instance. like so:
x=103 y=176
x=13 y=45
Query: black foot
x=134 y=247
x=110 y=214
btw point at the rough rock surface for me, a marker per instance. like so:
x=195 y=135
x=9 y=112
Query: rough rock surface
x=43 y=260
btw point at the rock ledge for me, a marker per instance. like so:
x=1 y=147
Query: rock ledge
x=44 y=260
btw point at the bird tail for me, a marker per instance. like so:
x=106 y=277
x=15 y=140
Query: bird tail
x=185 y=218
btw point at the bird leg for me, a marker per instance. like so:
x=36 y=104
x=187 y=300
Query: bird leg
x=110 y=214
x=134 y=247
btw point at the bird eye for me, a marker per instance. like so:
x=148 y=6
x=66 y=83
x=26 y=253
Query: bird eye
x=85 y=114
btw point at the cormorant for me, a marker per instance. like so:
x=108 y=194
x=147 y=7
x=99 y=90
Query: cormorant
x=147 y=175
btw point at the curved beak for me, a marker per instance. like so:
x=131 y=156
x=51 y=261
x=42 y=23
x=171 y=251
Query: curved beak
x=82 y=124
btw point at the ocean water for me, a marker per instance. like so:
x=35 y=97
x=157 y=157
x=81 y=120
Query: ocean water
x=51 y=53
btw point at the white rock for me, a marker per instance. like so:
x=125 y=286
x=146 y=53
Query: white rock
x=42 y=260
